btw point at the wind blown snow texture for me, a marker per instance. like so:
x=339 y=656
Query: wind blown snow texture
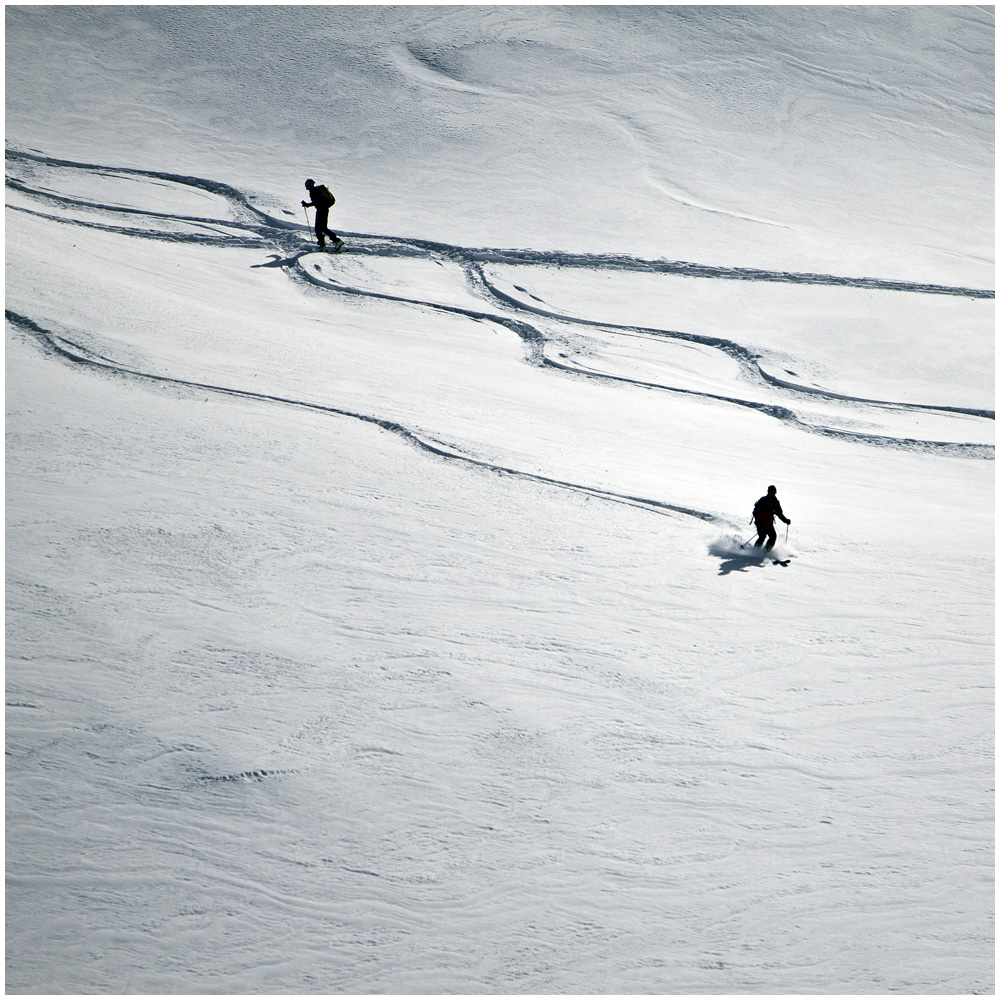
x=380 y=622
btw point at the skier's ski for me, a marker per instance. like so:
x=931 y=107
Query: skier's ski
x=781 y=562
x=339 y=247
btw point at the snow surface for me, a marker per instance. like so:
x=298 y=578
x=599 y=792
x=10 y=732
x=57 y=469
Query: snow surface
x=379 y=622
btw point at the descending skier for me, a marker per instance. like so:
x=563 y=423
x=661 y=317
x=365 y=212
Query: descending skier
x=764 y=512
x=322 y=201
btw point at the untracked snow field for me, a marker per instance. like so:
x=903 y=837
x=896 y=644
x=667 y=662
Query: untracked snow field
x=379 y=622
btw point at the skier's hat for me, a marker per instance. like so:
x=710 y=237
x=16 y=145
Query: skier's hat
x=310 y=183
x=772 y=489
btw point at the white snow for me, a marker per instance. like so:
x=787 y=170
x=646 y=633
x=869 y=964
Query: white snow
x=379 y=622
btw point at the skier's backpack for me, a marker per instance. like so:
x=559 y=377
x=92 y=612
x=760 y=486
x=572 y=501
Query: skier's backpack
x=760 y=509
x=322 y=198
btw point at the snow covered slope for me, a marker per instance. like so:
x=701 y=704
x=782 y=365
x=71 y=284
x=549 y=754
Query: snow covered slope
x=840 y=140
x=378 y=622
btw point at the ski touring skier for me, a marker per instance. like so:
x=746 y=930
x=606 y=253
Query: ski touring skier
x=764 y=512
x=322 y=200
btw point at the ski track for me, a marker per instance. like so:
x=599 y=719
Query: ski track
x=73 y=352
x=253 y=228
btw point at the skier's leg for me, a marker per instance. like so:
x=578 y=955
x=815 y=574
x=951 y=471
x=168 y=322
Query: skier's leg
x=761 y=533
x=772 y=537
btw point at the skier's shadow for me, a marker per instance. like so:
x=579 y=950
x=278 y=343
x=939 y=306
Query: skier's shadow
x=739 y=564
x=734 y=559
x=280 y=261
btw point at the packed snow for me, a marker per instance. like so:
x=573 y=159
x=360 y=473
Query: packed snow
x=385 y=621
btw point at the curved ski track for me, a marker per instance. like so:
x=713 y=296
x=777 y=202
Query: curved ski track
x=252 y=227
x=70 y=351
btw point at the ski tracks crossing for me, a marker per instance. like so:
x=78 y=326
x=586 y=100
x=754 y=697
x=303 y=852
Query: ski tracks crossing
x=480 y=284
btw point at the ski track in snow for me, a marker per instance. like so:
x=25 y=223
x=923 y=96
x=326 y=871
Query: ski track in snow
x=73 y=352
x=251 y=227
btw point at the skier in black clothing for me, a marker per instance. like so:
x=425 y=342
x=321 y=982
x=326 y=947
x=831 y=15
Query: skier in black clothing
x=764 y=512
x=322 y=201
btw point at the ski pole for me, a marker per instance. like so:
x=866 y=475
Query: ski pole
x=305 y=212
x=743 y=545
x=786 y=534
